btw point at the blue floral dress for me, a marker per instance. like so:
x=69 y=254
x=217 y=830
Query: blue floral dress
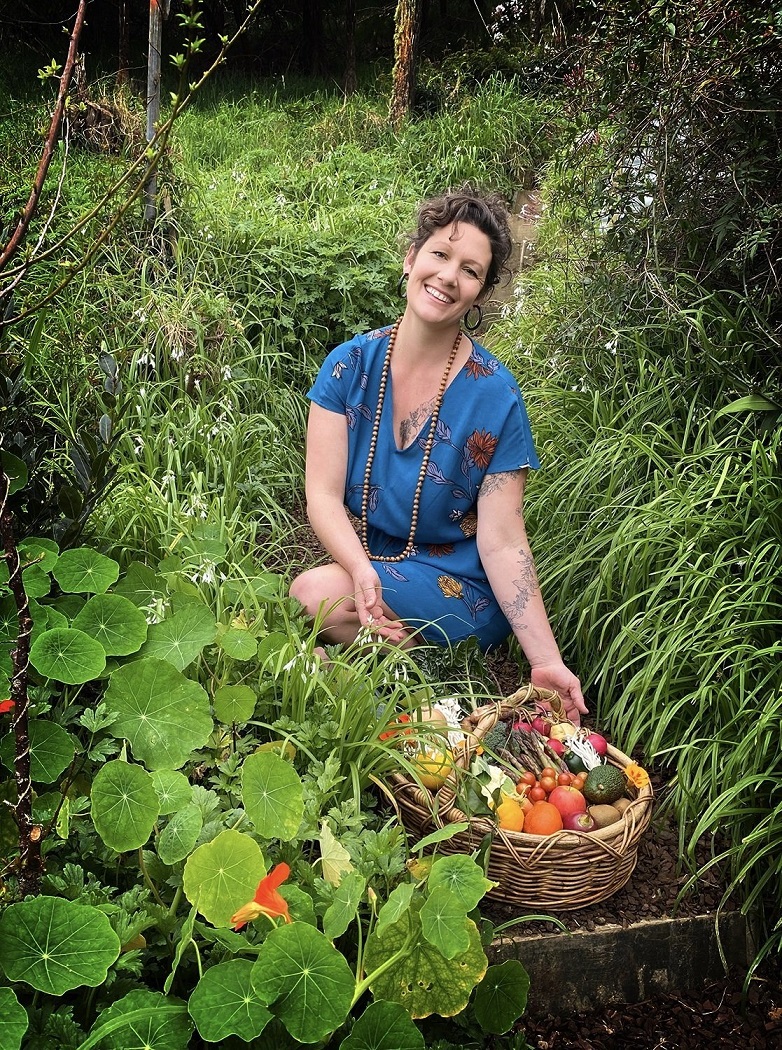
x=441 y=588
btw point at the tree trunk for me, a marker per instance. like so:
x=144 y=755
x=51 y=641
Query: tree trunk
x=407 y=23
x=158 y=10
x=123 y=54
x=311 y=37
x=350 y=81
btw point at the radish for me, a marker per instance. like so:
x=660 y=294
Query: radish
x=599 y=743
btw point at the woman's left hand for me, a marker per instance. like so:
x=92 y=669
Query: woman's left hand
x=562 y=680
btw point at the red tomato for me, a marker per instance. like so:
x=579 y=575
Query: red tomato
x=565 y=778
x=528 y=778
x=537 y=793
x=548 y=784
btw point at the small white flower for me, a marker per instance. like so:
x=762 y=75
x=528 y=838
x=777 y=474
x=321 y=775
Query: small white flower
x=225 y=372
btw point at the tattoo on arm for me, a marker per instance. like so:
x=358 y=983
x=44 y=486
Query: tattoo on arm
x=494 y=482
x=526 y=585
x=410 y=427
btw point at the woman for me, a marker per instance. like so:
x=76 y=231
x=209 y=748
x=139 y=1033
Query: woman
x=424 y=435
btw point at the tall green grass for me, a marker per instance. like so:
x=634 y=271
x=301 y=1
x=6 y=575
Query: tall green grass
x=656 y=523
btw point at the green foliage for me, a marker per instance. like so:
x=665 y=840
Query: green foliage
x=167 y=863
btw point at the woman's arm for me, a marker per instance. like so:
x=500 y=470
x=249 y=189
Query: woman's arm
x=507 y=559
x=326 y=471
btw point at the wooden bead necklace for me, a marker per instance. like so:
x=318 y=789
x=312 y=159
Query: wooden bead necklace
x=381 y=394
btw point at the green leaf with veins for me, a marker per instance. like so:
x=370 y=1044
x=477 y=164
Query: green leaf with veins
x=422 y=979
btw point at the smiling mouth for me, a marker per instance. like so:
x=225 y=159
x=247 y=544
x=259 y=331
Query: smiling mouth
x=440 y=296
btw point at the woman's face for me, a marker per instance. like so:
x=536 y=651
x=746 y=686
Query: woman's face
x=448 y=273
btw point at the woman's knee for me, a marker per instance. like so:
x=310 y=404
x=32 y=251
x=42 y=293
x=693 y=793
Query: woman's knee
x=321 y=588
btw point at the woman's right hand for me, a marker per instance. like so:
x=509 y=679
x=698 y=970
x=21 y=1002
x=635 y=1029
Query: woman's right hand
x=368 y=596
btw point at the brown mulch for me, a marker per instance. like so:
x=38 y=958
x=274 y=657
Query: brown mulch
x=717 y=1017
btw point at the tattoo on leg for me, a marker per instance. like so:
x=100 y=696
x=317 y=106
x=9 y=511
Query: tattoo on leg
x=526 y=585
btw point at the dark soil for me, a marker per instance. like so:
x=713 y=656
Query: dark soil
x=721 y=1015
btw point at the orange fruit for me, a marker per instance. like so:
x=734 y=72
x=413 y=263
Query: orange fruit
x=543 y=819
x=510 y=815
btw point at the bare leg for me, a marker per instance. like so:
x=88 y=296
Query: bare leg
x=327 y=589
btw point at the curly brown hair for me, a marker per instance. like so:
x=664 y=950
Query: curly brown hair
x=486 y=211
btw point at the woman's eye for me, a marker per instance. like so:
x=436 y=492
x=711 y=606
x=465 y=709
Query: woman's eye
x=470 y=272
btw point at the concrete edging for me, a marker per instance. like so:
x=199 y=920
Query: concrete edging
x=585 y=970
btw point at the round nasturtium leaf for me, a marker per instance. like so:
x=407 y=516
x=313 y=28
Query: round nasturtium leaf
x=423 y=980
x=384 y=1026
x=85 y=571
x=141 y=585
x=15 y=470
x=342 y=910
x=501 y=997
x=13 y=1020
x=173 y=790
x=124 y=805
x=180 y=835
x=180 y=638
x=36 y=582
x=51 y=750
x=238 y=643
x=304 y=980
x=67 y=655
x=115 y=622
x=273 y=796
x=222 y=875
x=225 y=1003
x=9 y=618
x=143 y=1020
x=444 y=922
x=42 y=551
x=234 y=704
x=163 y=715
x=55 y=945
x=460 y=874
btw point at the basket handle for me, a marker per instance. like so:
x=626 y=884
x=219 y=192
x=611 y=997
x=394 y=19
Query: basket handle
x=477 y=724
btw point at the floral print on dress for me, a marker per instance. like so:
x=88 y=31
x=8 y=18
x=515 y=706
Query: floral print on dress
x=464 y=591
x=477 y=365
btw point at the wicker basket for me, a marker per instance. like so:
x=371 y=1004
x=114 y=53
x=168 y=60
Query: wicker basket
x=563 y=871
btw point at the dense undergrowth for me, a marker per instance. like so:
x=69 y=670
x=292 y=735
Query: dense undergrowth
x=653 y=384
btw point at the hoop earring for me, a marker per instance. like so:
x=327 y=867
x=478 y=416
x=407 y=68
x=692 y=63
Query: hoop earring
x=478 y=323
x=400 y=286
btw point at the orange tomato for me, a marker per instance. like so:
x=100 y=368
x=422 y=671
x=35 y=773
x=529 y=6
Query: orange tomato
x=536 y=793
x=565 y=779
x=548 y=784
x=579 y=780
x=528 y=778
x=549 y=771
x=543 y=819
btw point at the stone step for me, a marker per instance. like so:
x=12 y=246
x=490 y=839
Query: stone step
x=586 y=970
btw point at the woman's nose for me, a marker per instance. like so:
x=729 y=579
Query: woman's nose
x=449 y=271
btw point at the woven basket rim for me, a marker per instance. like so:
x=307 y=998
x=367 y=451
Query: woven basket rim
x=635 y=815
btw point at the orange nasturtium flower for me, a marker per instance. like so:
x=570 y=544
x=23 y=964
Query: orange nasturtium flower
x=396 y=727
x=267 y=901
x=636 y=775
x=5 y=705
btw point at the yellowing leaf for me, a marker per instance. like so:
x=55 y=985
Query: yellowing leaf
x=335 y=858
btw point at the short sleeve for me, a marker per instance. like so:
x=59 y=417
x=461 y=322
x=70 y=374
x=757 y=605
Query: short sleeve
x=336 y=378
x=515 y=447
